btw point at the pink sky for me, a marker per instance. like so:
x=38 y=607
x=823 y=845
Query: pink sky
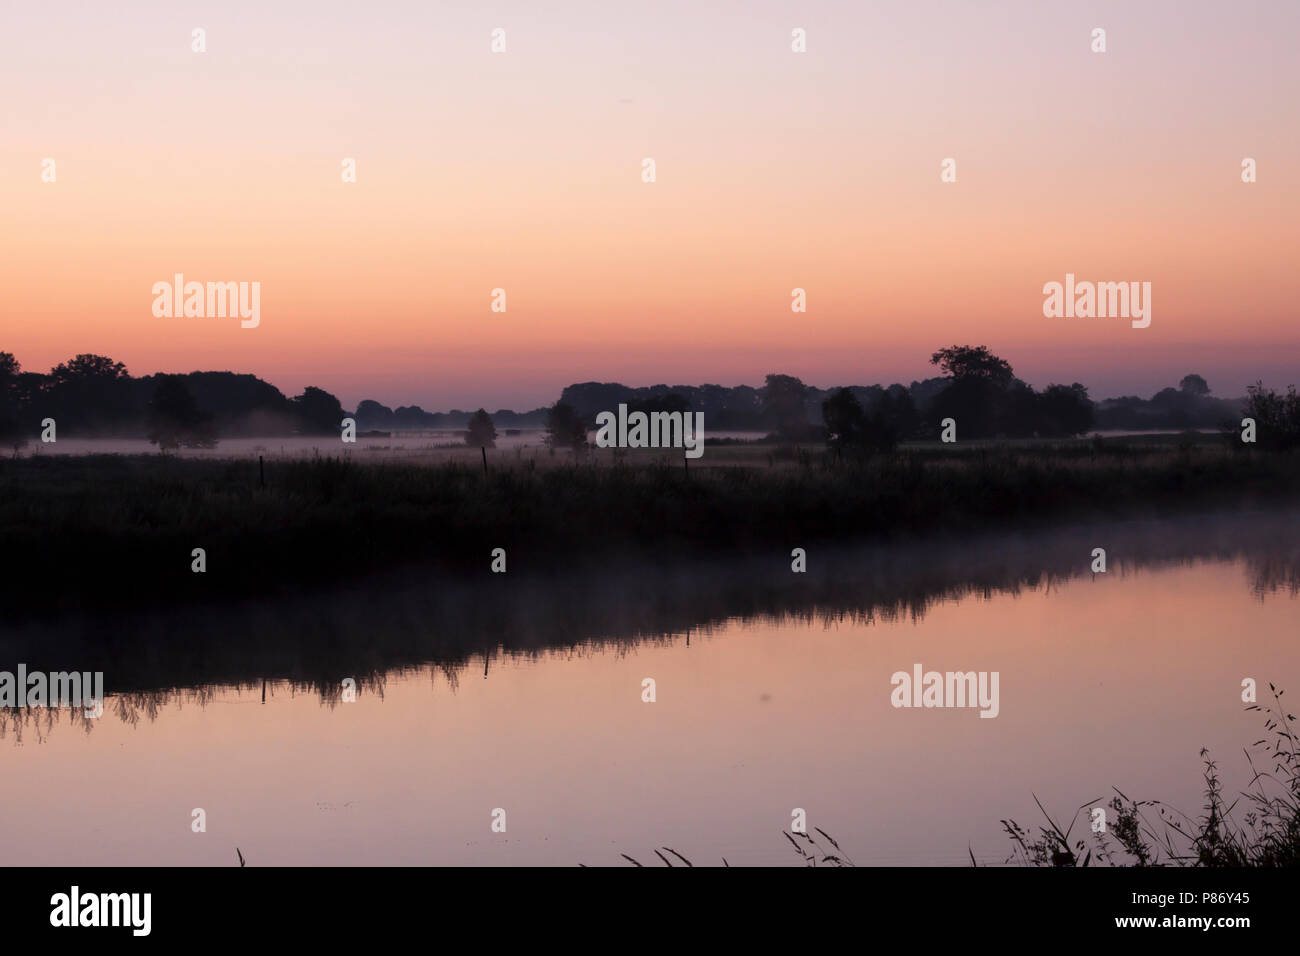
x=775 y=170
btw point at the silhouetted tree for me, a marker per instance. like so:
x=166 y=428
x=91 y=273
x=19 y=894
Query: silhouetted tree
x=11 y=426
x=91 y=393
x=565 y=428
x=240 y=403
x=672 y=402
x=782 y=398
x=1066 y=411
x=979 y=395
x=844 y=420
x=975 y=403
x=987 y=400
x=924 y=393
x=896 y=416
x=174 y=418
x=850 y=428
x=481 y=433
x=88 y=367
x=963 y=362
x=371 y=414
x=588 y=399
x=1174 y=406
x=318 y=412
x=1189 y=406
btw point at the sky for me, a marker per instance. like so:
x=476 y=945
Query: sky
x=775 y=170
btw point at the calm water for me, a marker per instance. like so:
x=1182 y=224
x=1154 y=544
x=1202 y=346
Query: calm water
x=772 y=693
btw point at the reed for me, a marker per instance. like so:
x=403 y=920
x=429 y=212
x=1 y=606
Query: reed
x=106 y=530
x=811 y=853
x=1258 y=828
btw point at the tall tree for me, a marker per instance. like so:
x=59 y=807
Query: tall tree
x=844 y=419
x=961 y=362
x=982 y=394
x=174 y=418
x=480 y=432
x=783 y=409
x=91 y=393
x=88 y=367
x=1066 y=410
x=319 y=412
x=565 y=428
x=11 y=427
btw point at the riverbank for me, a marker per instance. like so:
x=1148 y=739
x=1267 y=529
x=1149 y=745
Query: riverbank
x=120 y=531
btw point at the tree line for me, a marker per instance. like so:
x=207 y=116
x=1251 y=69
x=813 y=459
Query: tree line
x=94 y=396
x=977 y=389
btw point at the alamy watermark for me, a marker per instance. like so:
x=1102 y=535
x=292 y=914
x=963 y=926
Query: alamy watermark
x=651 y=430
x=75 y=908
x=950 y=689
x=1101 y=300
x=59 y=689
x=198 y=300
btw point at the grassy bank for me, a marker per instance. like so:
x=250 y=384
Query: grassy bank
x=112 y=530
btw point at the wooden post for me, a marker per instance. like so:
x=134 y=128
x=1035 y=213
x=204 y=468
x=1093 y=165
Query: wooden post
x=483 y=449
x=261 y=472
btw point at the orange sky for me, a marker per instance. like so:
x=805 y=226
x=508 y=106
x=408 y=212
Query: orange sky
x=775 y=170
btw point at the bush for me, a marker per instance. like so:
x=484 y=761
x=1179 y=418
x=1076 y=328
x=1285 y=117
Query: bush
x=1277 y=417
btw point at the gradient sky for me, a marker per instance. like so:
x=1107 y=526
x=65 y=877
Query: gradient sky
x=775 y=170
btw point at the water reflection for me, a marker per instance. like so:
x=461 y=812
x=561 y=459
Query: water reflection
x=455 y=628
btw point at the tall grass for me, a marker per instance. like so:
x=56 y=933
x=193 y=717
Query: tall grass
x=110 y=529
x=1258 y=828
x=811 y=853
